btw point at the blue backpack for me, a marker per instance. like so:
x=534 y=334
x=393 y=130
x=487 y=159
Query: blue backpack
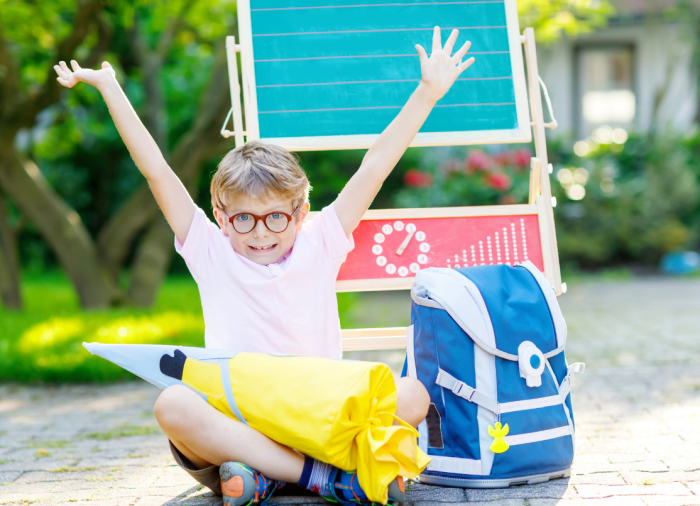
x=488 y=344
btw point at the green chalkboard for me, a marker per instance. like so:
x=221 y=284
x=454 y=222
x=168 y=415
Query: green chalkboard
x=326 y=74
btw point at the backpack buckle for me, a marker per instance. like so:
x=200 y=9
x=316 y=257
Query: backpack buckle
x=459 y=386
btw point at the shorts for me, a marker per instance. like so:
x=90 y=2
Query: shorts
x=209 y=476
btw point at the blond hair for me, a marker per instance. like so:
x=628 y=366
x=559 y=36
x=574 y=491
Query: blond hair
x=262 y=171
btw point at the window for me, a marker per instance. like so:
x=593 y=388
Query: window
x=605 y=88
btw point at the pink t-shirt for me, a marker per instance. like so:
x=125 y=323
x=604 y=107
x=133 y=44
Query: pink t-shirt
x=288 y=307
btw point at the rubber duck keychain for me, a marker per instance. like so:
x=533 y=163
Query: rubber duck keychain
x=499 y=444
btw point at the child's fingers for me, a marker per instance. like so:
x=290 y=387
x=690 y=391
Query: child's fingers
x=451 y=42
x=64 y=67
x=464 y=66
x=421 y=53
x=437 y=40
x=462 y=51
x=75 y=65
x=64 y=82
x=59 y=71
x=106 y=65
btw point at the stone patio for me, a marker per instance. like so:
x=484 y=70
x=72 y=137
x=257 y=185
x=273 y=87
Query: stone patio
x=637 y=409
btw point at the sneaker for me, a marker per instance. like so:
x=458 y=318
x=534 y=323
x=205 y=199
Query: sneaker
x=346 y=490
x=242 y=486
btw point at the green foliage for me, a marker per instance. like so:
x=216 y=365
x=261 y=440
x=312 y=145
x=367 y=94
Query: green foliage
x=75 y=142
x=43 y=343
x=641 y=201
x=35 y=29
x=329 y=171
x=552 y=19
x=447 y=177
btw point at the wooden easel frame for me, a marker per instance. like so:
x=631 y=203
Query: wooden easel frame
x=250 y=100
x=540 y=197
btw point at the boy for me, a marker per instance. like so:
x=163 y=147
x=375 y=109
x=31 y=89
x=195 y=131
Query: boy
x=266 y=278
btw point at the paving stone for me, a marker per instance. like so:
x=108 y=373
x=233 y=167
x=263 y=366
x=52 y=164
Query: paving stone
x=114 y=492
x=613 y=478
x=608 y=501
x=182 y=478
x=43 y=487
x=694 y=487
x=169 y=501
x=8 y=477
x=421 y=492
x=647 y=465
x=299 y=500
x=496 y=502
x=71 y=496
x=660 y=500
x=597 y=491
x=555 y=489
x=91 y=502
x=21 y=497
x=46 y=476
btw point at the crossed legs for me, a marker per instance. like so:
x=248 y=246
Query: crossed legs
x=207 y=437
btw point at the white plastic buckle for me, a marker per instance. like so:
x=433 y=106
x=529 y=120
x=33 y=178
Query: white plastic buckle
x=577 y=368
x=531 y=363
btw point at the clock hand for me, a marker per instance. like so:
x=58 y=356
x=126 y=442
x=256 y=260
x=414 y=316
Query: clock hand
x=405 y=243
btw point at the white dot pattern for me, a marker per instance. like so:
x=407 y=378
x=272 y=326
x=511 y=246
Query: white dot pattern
x=494 y=249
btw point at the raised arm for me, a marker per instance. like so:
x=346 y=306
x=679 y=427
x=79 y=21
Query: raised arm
x=438 y=73
x=170 y=193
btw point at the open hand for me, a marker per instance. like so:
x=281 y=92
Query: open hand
x=441 y=70
x=70 y=78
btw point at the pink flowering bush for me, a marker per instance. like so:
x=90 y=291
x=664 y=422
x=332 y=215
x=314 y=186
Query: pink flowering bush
x=477 y=178
x=417 y=179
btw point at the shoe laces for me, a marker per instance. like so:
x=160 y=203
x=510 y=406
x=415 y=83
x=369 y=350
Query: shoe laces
x=263 y=487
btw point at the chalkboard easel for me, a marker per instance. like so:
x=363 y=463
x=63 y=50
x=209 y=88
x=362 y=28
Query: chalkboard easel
x=393 y=244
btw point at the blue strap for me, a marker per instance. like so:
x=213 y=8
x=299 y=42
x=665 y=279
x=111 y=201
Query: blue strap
x=226 y=382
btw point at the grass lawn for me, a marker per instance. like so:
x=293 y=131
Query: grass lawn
x=43 y=343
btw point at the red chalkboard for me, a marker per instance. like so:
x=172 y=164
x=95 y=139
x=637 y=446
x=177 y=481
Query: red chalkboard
x=440 y=242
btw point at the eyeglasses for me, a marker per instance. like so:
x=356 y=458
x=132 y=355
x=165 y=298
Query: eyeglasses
x=276 y=222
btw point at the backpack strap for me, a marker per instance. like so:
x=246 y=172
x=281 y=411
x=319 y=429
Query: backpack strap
x=461 y=389
x=565 y=386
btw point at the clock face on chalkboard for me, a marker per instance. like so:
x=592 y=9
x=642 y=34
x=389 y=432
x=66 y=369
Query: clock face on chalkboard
x=390 y=247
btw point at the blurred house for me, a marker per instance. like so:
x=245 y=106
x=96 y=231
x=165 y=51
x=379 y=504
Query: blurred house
x=638 y=73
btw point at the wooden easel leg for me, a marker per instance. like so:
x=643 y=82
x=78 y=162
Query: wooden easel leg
x=231 y=56
x=550 y=254
x=535 y=180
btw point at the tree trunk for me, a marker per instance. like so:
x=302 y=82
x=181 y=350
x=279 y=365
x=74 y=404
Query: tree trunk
x=62 y=228
x=10 y=290
x=116 y=237
x=151 y=263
